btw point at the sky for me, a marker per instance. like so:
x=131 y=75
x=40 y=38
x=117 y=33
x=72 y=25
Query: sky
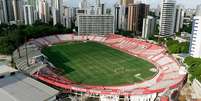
x=153 y=3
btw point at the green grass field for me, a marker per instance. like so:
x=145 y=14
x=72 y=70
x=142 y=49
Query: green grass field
x=96 y=64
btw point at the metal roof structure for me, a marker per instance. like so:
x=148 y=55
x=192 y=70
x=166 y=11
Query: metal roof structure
x=19 y=87
x=4 y=69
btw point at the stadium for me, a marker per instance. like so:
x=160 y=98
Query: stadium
x=103 y=68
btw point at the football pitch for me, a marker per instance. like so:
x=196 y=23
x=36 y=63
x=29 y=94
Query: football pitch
x=97 y=64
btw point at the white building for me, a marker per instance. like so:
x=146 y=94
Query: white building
x=167 y=18
x=67 y=17
x=67 y=11
x=57 y=12
x=28 y=15
x=35 y=4
x=190 y=12
x=195 y=45
x=18 y=11
x=179 y=18
x=44 y=15
x=83 y=5
x=92 y=11
x=123 y=17
x=98 y=7
x=95 y=24
x=148 y=27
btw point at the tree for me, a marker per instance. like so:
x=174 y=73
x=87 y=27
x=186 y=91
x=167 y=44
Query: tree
x=194 y=67
x=187 y=28
x=178 y=33
x=12 y=36
x=125 y=33
x=157 y=29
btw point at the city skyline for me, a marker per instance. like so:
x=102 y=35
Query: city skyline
x=153 y=3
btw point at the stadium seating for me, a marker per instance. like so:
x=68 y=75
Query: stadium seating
x=65 y=37
x=51 y=39
x=168 y=69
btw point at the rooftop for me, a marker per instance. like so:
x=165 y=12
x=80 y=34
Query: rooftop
x=19 y=87
x=4 y=69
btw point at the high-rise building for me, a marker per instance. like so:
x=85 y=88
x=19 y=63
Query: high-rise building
x=195 y=44
x=92 y=11
x=67 y=21
x=74 y=11
x=124 y=13
x=67 y=11
x=83 y=5
x=108 y=11
x=35 y=4
x=198 y=10
x=44 y=15
x=190 y=12
x=73 y=14
x=167 y=18
x=102 y=9
x=81 y=12
x=3 y=12
x=95 y=24
x=98 y=3
x=57 y=11
x=7 y=11
x=11 y=11
x=98 y=7
x=179 y=18
x=126 y=2
x=116 y=16
x=148 y=27
x=18 y=11
x=28 y=15
x=67 y=17
x=136 y=13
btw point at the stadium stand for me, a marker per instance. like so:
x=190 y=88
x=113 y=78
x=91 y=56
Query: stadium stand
x=168 y=76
